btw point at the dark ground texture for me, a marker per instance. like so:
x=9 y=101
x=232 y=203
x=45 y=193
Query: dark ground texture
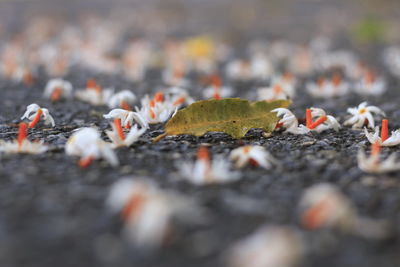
x=52 y=213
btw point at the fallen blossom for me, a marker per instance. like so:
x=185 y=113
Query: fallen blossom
x=283 y=87
x=207 y=171
x=175 y=76
x=217 y=90
x=261 y=67
x=127 y=117
x=117 y=135
x=324 y=206
x=269 y=246
x=318 y=120
x=123 y=99
x=275 y=92
x=239 y=70
x=87 y=144
x=179 y=96
x=94 y=94
x=383 y=139
x=149 y=212
x=362 y=115
x=57 y=89
x=289 y=122
x=35 y=113
x=370 y=85
x=254 y=155
x=327 y=89
x=156 y=110
x=22 y=144
x=373 y=163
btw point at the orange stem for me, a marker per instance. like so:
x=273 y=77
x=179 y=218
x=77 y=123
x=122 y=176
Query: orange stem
x=85 y=162
x=132 y=207
x=91 y=83
x=152 y=114
x=203 y=154
x=308 y=118
x=125 y=105
x=159 y=97
x=56 y=94
x=315 y=216
x=375 y=149
x=28 y=78
x=217 y=94
x=36 y=119
x=118 y=128
x=385 y=130
x=318 y=122
x=216 y=80
x=22 y=133
x=179 y=101
x=336 y=79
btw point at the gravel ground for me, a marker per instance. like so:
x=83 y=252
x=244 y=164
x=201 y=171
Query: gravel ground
x=53 y=213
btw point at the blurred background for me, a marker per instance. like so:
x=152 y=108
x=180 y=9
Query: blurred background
x=235 y=20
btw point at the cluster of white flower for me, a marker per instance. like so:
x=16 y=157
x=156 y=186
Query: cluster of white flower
x=316 y=120
x=148 y=211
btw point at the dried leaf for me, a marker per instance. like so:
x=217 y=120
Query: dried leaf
x=233 y=116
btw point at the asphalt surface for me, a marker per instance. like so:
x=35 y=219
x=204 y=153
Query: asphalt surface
x=53 y=213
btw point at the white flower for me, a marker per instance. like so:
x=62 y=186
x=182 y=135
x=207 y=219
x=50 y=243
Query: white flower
x=57 y=89
x=373 y=164
x=22 y=144
x=328 y=89
x=123 y=99
x=87 y=144
x=256 y=155
x=206 y=171
x=179 y=96
x=275 y=92
x=94 y=94
x=261 y=67
x=34 y=113
x=216 y=90
x=322 y=205
x=118 y=137
x=238 y=70
x=374 y=137
x=284 y=84
x=289 y=122
x=370 y=85
x=362 y=115
x=269 y=246
x=175 y=76
x=329 y=123
x=127 y=117
x=157 y=110
x=148 y=212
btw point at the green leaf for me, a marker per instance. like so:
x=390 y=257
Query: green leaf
x=233 y=116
